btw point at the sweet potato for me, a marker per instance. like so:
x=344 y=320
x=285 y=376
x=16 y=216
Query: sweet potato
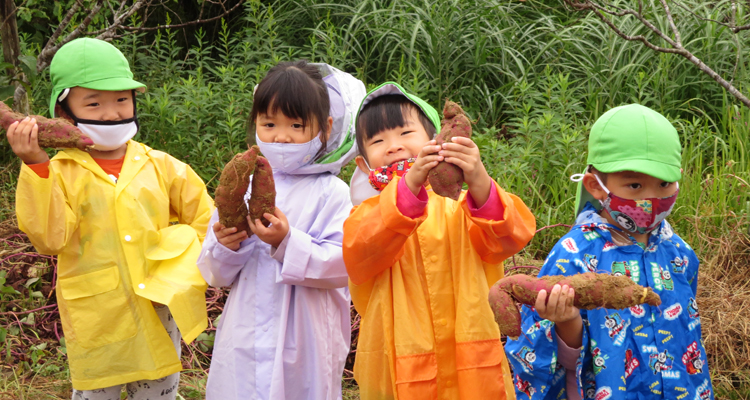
x=263 y=197
x=56 y=133
x=230 y=194
x=447 y=179
x=592 y=291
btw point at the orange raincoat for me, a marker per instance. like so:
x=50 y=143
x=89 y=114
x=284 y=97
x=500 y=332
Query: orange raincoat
x=421 y=287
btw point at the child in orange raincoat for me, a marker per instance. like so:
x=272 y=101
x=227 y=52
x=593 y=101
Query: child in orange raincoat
x=421 y=265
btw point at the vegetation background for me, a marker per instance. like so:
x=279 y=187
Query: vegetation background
x=534 y=76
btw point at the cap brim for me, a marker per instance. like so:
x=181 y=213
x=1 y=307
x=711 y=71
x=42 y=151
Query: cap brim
x=115 y=84
x=666 y=172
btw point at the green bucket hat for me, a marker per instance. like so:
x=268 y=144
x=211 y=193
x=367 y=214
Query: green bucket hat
x=92 y=64
x=632 y=138
x=388 y=88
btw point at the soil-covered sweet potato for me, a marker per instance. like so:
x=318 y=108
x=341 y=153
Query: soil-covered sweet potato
x=592 y=291
x=230 y=194
x=447 y=179
x=56 y=133
x=263 y=197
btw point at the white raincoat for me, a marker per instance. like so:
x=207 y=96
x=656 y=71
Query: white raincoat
x=285 y=331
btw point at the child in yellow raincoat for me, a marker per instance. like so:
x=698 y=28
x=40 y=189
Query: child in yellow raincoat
x=106 y=215
x=421 y=265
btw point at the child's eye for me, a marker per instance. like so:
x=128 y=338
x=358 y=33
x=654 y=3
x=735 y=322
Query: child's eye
x=121 y=99
x=666 y=184
x=405 y=133
x=376 y=141
x=92 y=104
x=297 y=126
x=634 y=185
x=268 y=125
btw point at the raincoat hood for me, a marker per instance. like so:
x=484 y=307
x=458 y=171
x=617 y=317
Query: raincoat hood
x=345 y=93
x=359 y=185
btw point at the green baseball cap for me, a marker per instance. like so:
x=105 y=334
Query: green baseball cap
x=388 y=88
x=92 y=64
x=632 y=138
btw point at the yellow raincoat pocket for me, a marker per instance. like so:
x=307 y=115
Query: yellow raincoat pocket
x=416 y=377
x=99 y=314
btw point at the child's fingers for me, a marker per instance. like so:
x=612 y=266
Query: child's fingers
x=272 y=218
x=428 y=149
x=464 y=141
x=12 y=133
x=26 y=131
x=460 y=163
x=34 y=134
x=541 y=302
x=431 y=158
x=218 y=227
x=237 y=237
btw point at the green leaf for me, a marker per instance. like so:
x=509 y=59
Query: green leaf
x=7 y=92
x=31 y=281
x=28 y=64
x=3 y=334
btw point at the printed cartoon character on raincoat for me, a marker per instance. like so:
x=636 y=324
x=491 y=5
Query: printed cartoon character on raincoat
x=643 y=352
x=117 y=250
x=421 y=283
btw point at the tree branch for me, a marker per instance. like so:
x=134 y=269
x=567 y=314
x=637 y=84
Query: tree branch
x=45 y=57
x=677 y=47
x=135 y=29
x=46 y=54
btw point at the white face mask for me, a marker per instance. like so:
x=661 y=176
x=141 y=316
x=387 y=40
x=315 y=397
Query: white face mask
x=288 y=157
x=109 y=136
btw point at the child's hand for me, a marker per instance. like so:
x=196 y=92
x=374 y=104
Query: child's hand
x=464 y=153
x=276 y=232
x=427 y=159
x=227 y=236
x=559 y=307
x=560 y=310
x=22 y=136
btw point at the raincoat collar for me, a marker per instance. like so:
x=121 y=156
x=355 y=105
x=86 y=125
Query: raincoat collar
x=135 y=157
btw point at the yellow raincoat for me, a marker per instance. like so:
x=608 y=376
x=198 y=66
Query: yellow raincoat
x=421 y=287
x=116 y=254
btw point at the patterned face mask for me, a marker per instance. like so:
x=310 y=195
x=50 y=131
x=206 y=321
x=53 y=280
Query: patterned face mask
x=638 y=216
x=380 y=177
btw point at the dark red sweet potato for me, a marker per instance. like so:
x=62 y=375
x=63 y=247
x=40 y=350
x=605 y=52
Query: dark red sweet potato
x=230 y=194
x=56 y=133
x=263 y=197
x=592 y=291
x=447 y=179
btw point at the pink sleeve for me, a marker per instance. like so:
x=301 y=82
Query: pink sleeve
x=492 y=209
x=408 y=204
x=568 y=357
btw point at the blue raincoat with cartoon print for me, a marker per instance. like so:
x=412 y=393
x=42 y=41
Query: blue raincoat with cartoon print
x=643 y=352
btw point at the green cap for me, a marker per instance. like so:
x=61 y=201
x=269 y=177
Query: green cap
x=632 y=138
x=92 y=64
x=394 y=88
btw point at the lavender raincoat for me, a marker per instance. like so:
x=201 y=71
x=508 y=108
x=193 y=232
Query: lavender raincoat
x=285 y=331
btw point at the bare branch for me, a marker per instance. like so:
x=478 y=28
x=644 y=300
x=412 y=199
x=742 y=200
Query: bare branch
x=109 y=32
x=45 y=57
x=677 y=38
x=135 y=29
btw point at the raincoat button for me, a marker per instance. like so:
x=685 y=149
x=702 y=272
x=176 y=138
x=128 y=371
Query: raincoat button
x=127 y=238
x=137 y=158
x=449 y=383
x=443 y=322
x=433 y=258
x=141 y=286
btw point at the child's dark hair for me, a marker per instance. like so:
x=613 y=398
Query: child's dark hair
x=387 y=112
x=602 y=175
x=298 y=91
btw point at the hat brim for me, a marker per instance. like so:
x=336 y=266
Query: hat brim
x=660 y=170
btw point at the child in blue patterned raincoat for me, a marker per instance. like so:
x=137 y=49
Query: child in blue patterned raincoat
x=644 y=352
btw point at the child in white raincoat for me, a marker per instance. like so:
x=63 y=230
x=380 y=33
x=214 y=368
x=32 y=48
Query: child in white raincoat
x=285 y=331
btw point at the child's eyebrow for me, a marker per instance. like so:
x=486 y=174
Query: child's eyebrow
x=91 y=96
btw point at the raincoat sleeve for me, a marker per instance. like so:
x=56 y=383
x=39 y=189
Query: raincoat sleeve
x=375 y=234
x=188 y=196
x=495 y=241
x=220 y=266
x=534 y=355
x=43 y=211
x=314 y=258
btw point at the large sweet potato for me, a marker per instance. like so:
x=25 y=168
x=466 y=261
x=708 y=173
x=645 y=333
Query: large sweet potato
x=56 y=133
x=447 y=179
x=263 y=197
x=592 y=291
